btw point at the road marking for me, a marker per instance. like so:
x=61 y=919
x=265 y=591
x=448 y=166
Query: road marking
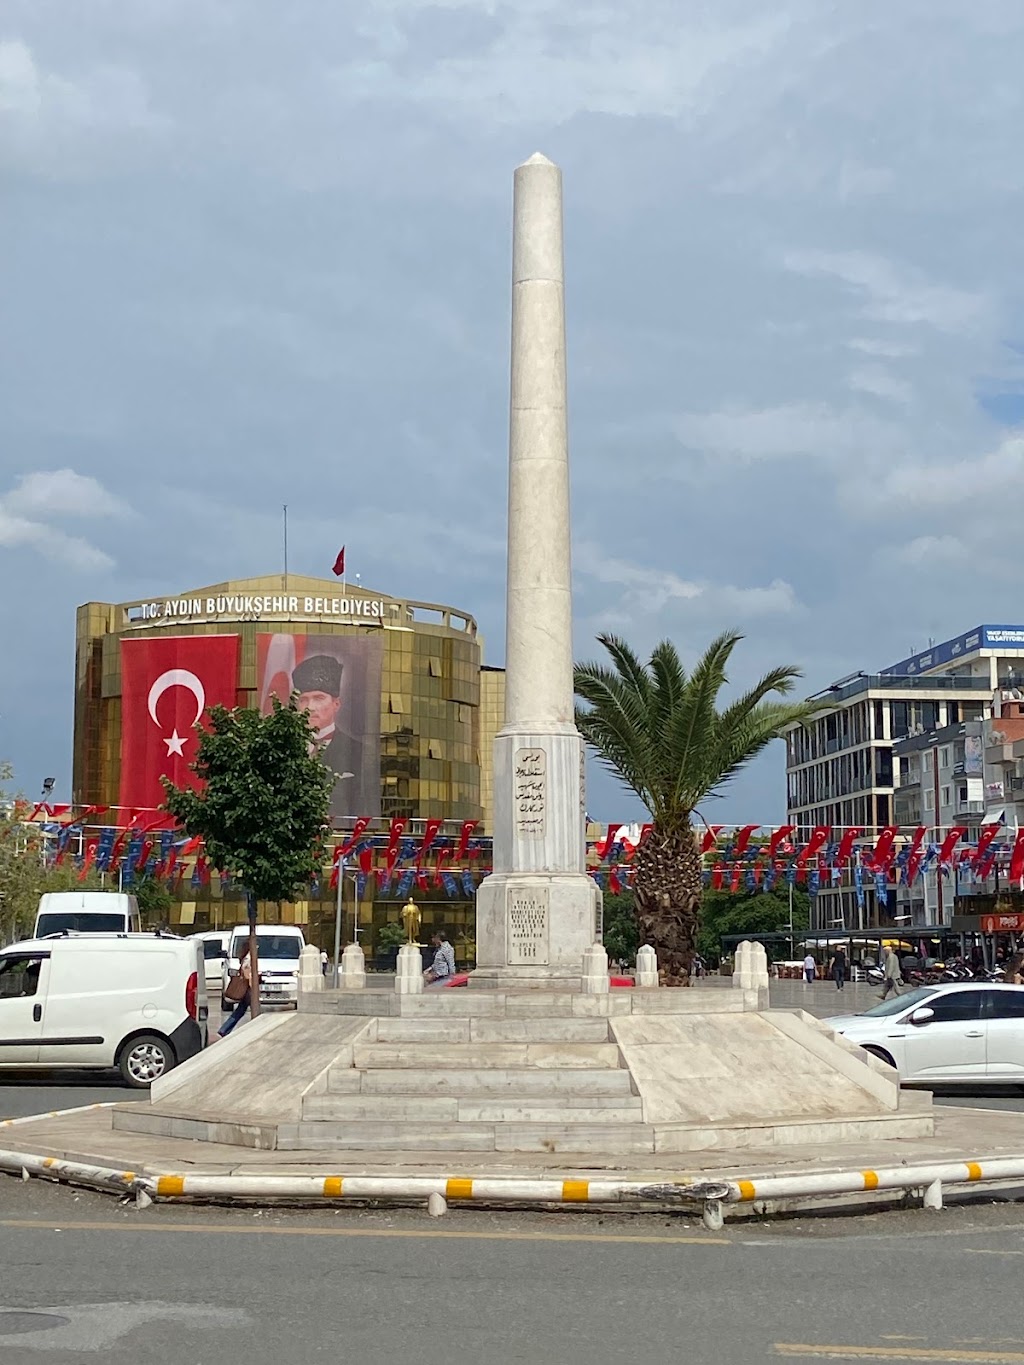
x=468 y=1235
x=955 y=1355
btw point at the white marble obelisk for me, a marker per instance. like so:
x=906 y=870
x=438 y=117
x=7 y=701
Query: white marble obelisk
x=538 y=912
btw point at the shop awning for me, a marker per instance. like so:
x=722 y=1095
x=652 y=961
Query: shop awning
x=995 y=815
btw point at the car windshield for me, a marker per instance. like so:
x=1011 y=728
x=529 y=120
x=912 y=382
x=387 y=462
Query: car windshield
x=271 y=945
x=84 y=923
x=899 y=1003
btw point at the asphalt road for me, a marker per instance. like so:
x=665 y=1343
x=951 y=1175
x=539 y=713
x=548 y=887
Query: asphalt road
x=82 y=1278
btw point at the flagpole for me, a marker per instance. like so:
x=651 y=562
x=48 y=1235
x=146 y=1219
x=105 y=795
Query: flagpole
x=285 y=510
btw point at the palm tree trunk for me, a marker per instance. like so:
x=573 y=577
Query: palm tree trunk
x=668 y=889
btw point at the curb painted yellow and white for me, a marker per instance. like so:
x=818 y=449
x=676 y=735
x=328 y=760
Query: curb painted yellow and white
x=707 y=1194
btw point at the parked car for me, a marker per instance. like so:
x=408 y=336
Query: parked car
x=86 y=912
x=962 y=1033
x=278 y=947
x=215 y=951
x=95 y=1001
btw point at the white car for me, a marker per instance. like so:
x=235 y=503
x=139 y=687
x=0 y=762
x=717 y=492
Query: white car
x=215 y=951
x=278 y=947
x=964 y=1033
x=136 y=1002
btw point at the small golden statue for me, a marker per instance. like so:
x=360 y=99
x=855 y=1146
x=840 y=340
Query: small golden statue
x=411 y=920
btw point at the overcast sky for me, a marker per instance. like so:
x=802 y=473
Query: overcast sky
x=256 y=253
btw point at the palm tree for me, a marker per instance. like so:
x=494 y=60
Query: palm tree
x=661 y=733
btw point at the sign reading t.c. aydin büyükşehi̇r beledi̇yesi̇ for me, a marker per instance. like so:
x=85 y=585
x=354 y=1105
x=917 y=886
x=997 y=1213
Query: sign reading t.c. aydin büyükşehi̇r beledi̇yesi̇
x=240 y=605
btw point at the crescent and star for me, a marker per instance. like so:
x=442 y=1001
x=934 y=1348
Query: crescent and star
x=176 y=677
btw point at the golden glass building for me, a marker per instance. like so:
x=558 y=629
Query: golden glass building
x=421 y=707
x=438 y=710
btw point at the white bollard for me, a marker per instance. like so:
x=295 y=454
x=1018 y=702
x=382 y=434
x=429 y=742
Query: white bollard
x=759 y=978
x=311 y=974
x=353 y=968
x=437 y=1205
x=595 y=971
x=646 y=967
x=409 y=980
x=741 y=968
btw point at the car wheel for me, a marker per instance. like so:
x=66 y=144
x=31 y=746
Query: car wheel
x=144 y=1060
x=881 y=1054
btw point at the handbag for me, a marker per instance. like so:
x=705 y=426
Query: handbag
x=237 y=989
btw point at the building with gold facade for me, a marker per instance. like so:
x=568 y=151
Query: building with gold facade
x=404 y=706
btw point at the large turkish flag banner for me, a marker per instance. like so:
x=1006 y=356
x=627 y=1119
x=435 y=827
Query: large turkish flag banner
x=167 y=684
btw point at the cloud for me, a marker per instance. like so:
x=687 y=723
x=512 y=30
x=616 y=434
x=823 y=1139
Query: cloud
x=59 y=124
x=889 y=293
x=650 y=590
x=259 y=254
x=28 y=511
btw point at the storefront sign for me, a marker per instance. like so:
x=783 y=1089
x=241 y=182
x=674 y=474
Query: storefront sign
x=249 y=608
x=1001 y=924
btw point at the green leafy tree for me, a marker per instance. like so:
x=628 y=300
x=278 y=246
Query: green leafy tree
x=154 y=900
x=264 y=804
x=660 y=731
x=27 y=870
x=749 y=912
x=621 y=935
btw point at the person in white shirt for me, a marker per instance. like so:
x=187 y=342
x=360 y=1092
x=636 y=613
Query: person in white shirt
x=444 y=960
x=810 y=969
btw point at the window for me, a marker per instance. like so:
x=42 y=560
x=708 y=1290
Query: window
x=212 y=950
x=944 y=756
x=1006 y=1004
x=435 y=667
x=926 y=761
x=945 y=795
x=19 y=976
x=957 y=1006
x=929 y=799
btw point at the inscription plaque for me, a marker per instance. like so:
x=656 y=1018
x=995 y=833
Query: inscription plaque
x=531 y=792
x=528 y=928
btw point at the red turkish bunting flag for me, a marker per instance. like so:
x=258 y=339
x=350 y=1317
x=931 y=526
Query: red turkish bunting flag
x=915 y=857
x=817 y=841
x=743 y=840
x=884 y=851
x=1017 y=859
x=950 y=842
x=778 y=838
x=988 y=834
x=710 y=835
x=846 y=844
x=167 y=684
x=430 y=833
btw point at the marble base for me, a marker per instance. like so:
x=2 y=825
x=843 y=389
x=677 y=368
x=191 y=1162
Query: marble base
x=533 y=929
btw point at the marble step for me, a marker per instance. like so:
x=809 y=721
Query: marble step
x=446 y=1056
x=431 y=1030
x=466 y=1137
x=517 y=1081
x=467 y=1109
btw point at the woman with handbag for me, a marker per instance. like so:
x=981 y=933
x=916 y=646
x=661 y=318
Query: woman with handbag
x=239 y=988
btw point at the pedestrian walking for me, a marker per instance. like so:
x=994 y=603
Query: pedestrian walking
x=839 y=968
x=443 y=968
x=810 y=969
x=238 y=1013
x=892 y=974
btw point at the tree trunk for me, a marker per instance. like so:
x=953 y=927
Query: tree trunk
x=668 y=889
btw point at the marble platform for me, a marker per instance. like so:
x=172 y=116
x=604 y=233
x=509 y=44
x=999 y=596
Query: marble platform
x=632 y=1072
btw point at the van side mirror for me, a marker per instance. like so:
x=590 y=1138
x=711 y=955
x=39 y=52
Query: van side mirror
x=922 y=1015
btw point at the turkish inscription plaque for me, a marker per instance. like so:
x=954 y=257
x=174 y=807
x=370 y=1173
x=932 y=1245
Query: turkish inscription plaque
x=531 y=792
x=528 y=928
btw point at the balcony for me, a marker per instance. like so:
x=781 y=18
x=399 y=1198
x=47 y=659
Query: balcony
x=965 y=807
x=887 y=682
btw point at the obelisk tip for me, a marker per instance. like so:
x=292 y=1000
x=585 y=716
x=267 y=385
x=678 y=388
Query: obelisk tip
x=538 y=159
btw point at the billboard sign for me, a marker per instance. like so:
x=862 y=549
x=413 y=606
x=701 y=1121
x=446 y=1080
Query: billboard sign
x=167 y=684
x=338 y=679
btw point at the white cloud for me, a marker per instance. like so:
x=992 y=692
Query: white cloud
x=889 y=293
x=63 y=492
x=931 y=552
x=37 y=500
x=788 y=430
x=880 y=384
x=650 y=590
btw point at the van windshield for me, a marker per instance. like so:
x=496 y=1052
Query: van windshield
x=83 y=922
x=271 y=945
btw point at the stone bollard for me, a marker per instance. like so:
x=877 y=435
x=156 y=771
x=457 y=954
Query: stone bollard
x=759 y=978
x=595 y=971
x=353 y=968
x=741 y=968
x=311 y=974
x=646 y=967
x=409 y=980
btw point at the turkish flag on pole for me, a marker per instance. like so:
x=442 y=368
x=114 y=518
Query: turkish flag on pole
x=339 y=564
x=167 y=684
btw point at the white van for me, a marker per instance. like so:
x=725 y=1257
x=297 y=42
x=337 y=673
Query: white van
x=96 y=1001
x=87 y=912
x=278 y=946
x=215 y=950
